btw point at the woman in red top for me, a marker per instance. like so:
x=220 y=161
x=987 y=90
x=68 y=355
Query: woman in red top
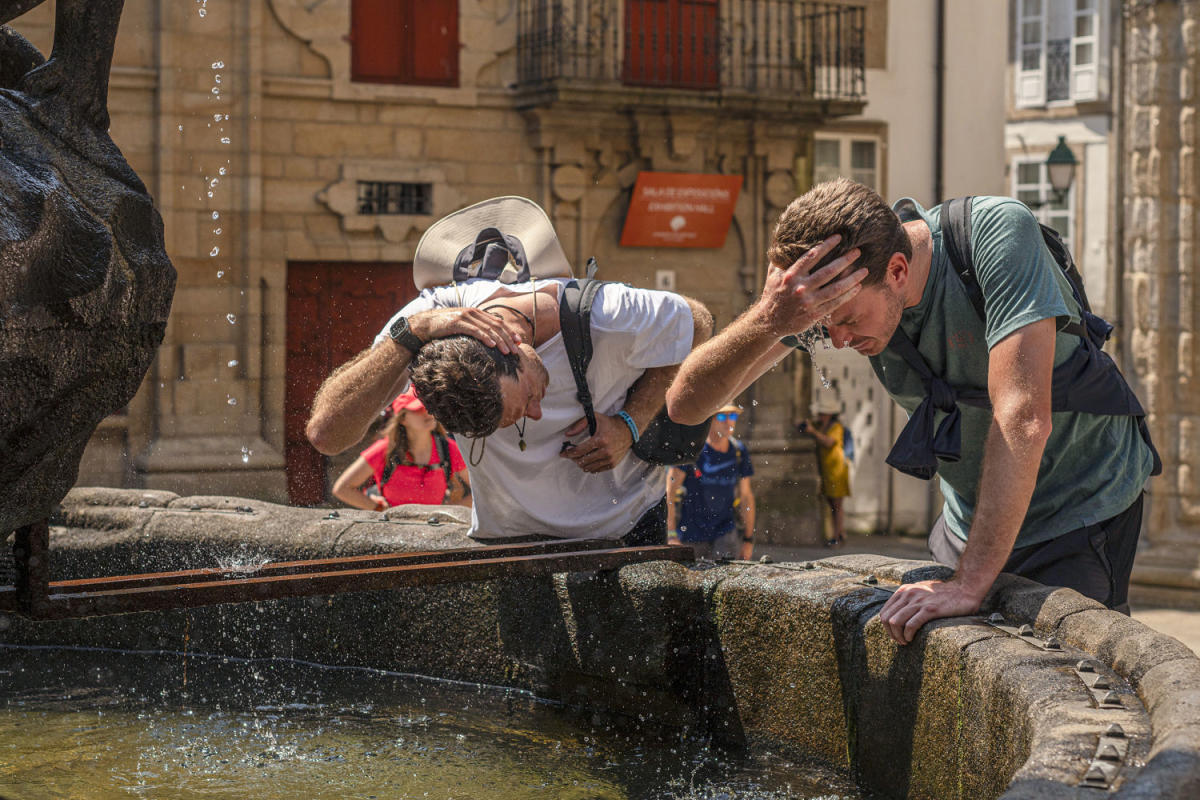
x=407 y=463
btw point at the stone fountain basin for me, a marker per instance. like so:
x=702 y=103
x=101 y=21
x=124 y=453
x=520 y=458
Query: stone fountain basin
x=784 y=656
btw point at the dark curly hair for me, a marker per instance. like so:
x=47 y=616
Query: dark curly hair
x=458 y=380
x=858 y=213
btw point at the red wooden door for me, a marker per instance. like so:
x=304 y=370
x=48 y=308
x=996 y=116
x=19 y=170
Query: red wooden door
x=672 y=43
x=334 y=310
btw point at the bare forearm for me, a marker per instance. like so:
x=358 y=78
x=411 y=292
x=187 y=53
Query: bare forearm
x=722 y=367
x=352 y=397
x=647 y=395
x=1010 y=466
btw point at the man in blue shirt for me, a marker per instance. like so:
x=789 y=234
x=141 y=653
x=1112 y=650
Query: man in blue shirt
x=707 y=500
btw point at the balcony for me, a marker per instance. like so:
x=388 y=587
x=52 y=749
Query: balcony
x=753 y=56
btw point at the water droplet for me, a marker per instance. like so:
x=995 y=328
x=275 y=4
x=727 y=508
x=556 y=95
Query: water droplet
x=231 y=318
x=180 y=127
x=753 y=402
x=217 y=231
x=220 y=273
x=216 y=90
x=214 y=251
x=203 y=12
x=210 y=194
x=232 y=363
x=224 y=140
x=226 y=116
x=214 y=181
x=221 y=171
x=216 y=78
x=246 y=453
x=218 y=65
x=232 y=400
x=216 y=215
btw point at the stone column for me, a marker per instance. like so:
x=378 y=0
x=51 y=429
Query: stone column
x=1161 y=200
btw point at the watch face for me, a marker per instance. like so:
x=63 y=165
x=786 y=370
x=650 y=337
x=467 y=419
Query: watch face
x=399 y=328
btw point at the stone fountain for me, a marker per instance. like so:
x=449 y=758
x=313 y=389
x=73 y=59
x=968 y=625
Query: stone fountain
x=1047 y=695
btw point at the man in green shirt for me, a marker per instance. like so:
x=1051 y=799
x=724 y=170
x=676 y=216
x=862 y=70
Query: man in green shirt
x=1031 y=486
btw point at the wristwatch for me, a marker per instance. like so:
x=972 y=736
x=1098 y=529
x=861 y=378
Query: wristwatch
x=402 y=335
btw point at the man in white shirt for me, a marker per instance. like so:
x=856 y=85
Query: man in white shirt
x=488 y=360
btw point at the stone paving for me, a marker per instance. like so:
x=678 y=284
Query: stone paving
x=1184 y=625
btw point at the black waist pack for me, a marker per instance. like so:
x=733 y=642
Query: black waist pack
x=664 y=442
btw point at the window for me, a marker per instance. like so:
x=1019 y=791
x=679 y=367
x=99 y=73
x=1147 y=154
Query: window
x=672 y=43
x=1031 y=185
x=853 y=157
x=404 y=41
x=1058 y=51
x=382 y=197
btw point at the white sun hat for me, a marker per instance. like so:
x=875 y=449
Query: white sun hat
x=509 y=239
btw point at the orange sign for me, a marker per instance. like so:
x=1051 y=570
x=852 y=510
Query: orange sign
x=680 y=209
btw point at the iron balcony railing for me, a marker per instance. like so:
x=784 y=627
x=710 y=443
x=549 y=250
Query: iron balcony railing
x=806 y=50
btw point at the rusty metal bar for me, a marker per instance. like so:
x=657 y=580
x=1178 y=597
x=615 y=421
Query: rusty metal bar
x=276 y=568
x=40 y=599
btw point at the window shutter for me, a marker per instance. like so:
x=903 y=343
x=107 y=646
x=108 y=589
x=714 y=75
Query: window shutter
x=404 y=41
x=1031 y=53
x=1085 y=50
x=376 y=37
x=433 y=41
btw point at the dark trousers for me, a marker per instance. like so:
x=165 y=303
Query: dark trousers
x=1095 y=560
x=650 y=529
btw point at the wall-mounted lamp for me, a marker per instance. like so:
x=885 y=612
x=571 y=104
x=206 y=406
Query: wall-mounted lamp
x=1061 y=165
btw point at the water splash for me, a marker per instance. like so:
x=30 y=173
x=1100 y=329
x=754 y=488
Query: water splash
x=813 y=339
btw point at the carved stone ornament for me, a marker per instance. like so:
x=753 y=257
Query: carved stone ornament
x=85 y=282
x=341 y=197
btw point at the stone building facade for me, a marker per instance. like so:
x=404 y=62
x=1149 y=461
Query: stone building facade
x=297 y=154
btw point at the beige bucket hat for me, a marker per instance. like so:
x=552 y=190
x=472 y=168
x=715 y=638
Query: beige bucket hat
x=509 y=239
x=826 y=404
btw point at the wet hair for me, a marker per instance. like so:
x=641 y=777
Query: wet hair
x=458 y=380
x=841 y=206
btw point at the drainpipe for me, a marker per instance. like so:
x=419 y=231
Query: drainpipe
x=1117 y=87
x=939 y=104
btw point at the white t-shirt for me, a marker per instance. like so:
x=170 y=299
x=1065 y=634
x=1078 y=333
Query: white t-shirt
x=537 y=491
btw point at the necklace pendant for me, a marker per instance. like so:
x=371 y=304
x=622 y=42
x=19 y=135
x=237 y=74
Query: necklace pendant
x=521 y=444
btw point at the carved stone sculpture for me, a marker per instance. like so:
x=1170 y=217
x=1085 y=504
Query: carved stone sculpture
x=85 y=282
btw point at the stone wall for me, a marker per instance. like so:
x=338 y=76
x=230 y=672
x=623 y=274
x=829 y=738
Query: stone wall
x=1161 y=200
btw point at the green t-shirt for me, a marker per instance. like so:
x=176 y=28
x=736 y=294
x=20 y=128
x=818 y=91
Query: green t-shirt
x=1093 y=466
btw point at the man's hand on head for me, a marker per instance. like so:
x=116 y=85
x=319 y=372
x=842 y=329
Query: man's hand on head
x=796 y=298
x=914 y=604
x=605 y=449
x=492 y=330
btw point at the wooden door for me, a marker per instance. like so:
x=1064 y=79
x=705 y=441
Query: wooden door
x=672 y=43
x=334 y=310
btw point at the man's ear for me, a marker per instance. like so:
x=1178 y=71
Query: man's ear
x=897 y=273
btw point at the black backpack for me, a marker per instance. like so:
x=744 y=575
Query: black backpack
x=396 y=459
x=664 y=442
x=956 y=236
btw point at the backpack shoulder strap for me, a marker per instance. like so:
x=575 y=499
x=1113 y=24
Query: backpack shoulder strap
x=956 y=236
x=443 y=450
x=390 y=462
x=575 y=322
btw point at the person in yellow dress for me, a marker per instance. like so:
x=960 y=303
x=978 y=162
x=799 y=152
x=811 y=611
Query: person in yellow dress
x=830 y=436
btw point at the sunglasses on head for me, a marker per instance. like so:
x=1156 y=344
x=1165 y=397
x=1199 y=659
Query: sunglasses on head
x=731 y=417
